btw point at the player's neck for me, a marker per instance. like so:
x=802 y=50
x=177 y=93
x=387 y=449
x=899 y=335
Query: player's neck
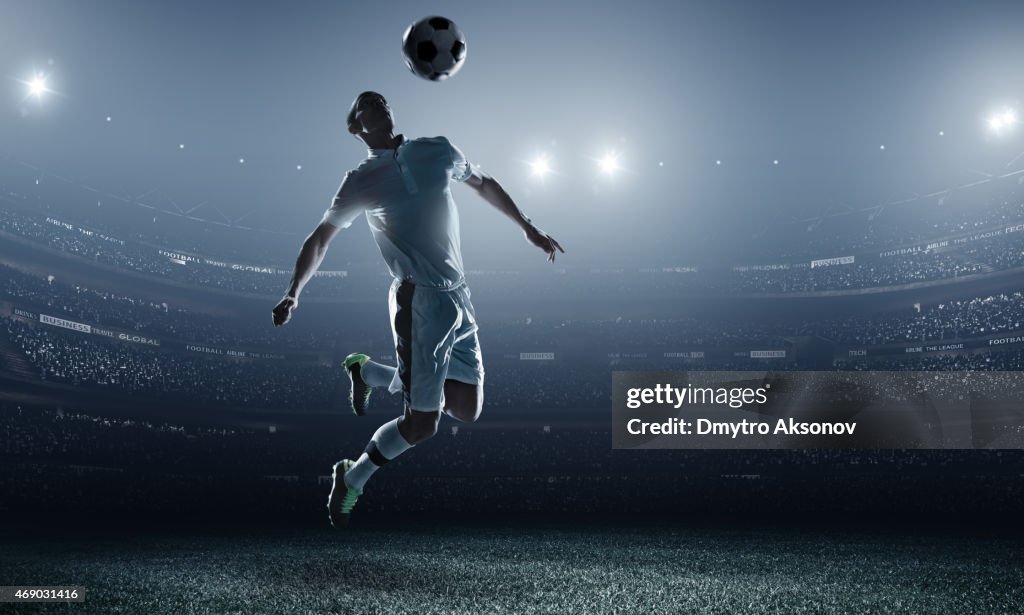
x=387 y=140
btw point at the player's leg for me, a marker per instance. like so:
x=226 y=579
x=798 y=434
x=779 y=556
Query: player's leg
x=364 y=375
x=389 y=441
x=377 y=374
x=424 y=324
x=427 y=323
x=463 y=401
x=416 y=426
x=464 y=386
x=350 y=476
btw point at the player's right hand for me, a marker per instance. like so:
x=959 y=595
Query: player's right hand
x=283 y=311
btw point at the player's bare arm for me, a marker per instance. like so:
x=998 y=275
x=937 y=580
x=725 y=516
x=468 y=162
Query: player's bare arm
x=491 y=191
x=310 y=256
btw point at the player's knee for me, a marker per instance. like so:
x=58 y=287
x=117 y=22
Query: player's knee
x=418 y=433
x=419 y=426
x=467 y=410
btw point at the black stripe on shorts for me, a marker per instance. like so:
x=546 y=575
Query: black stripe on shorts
x=403 y=330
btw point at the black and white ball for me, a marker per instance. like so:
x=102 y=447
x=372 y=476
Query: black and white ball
x=434 y=48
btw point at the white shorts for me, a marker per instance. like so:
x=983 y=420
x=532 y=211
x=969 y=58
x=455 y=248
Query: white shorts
x=435 y=340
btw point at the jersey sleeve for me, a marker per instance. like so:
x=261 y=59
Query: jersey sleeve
x=347 y=204
x=461 y=168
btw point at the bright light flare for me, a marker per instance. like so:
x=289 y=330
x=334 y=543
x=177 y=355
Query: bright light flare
x=609 y=163
x=37 y=87
x=540 y=166
x=1002 y=121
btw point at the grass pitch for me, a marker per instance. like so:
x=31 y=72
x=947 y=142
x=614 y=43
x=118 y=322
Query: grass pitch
x=454 y=570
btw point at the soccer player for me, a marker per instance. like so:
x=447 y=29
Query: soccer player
x=403 y=187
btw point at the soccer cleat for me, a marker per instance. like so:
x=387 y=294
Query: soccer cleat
x=340 y=505
x=359 y=393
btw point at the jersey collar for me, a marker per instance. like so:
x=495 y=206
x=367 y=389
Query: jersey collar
x=381 y=151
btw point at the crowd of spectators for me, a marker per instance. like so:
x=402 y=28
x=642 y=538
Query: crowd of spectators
x=155 y=319
x=67 y=460
x=906 y=269
x=984 y=316
x=980 y=316
x=1000 y=252
x=91 y=362
x=958 y=319
x=981 y=361
x=250 y=278
x=885 y=228
x=74 y=437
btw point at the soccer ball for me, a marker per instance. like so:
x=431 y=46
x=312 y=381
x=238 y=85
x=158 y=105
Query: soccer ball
x=434 y=48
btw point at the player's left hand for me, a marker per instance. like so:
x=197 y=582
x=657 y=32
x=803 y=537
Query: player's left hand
x=283 y=311
x=543 y=241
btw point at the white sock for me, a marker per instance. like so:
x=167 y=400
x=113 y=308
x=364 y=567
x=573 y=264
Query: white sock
x=361 y=472
x=386 y=444
x=376 y=374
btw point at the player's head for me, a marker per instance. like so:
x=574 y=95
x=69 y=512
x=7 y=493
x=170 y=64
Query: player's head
x=370 y=113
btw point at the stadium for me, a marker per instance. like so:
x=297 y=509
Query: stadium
x=170 y=450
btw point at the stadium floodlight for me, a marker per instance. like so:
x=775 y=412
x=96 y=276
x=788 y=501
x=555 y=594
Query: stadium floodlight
x=1002 y=121
x=609 y=164
x=540 y=166
x=37 y=87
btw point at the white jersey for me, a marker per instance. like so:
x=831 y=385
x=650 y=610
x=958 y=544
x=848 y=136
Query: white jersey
x=409 y=207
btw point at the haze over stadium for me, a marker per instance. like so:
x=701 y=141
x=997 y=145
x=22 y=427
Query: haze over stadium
x=188 y=99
